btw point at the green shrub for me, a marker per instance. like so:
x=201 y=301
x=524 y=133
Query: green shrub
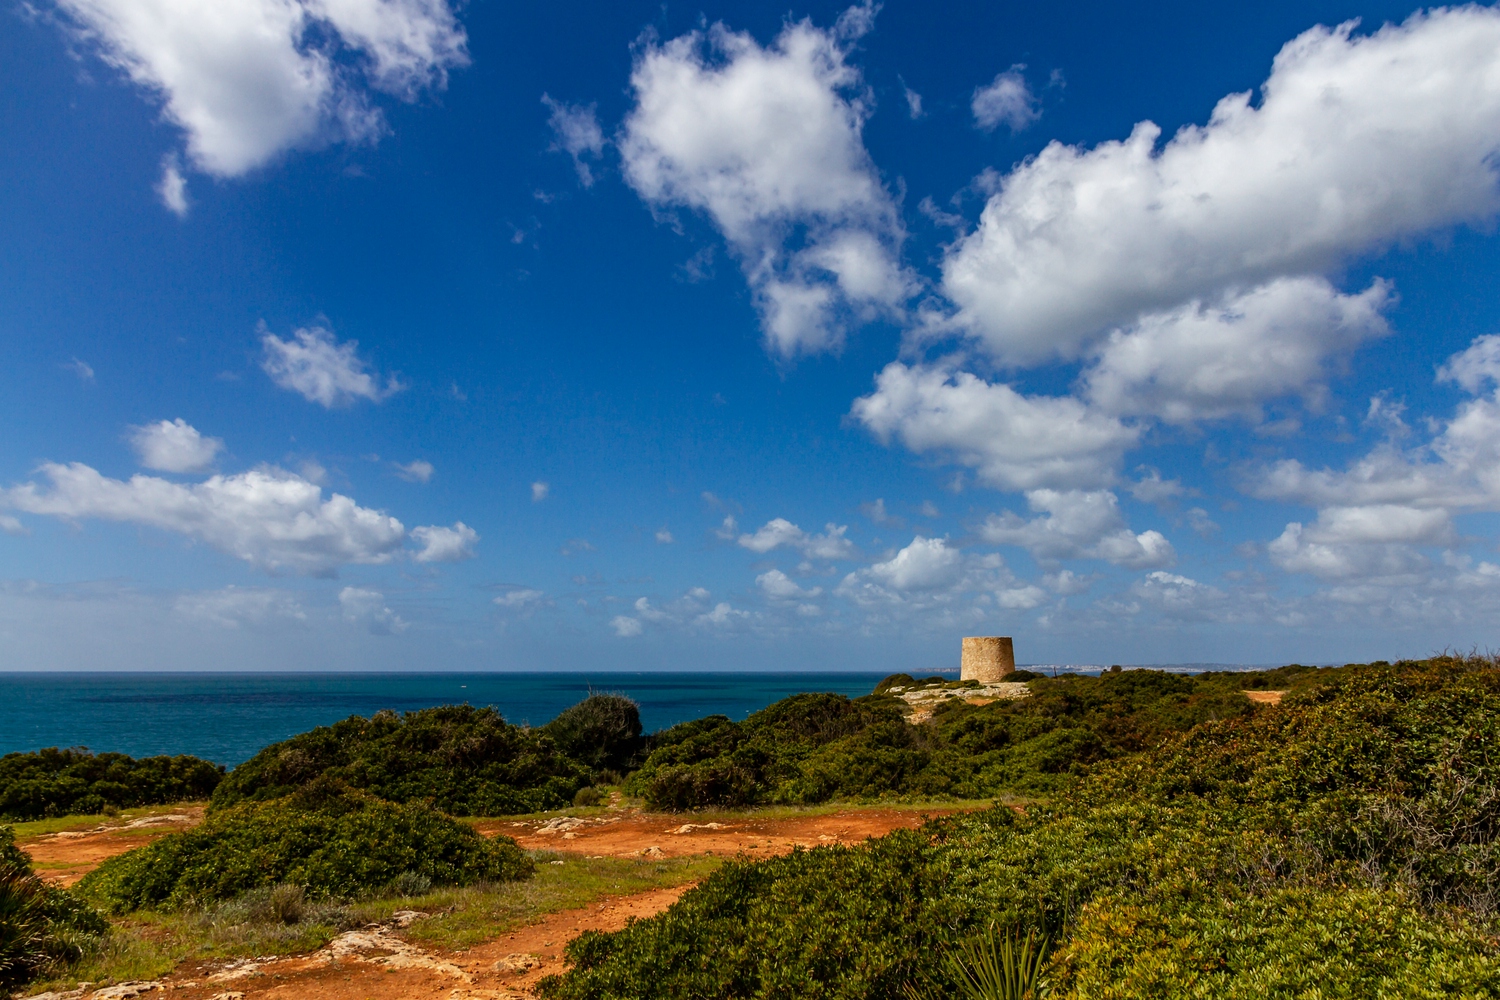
x=465 y=761
x=1342 y=846
x=602 y=731
x=55 y=782
x=331 y=841
x=41 y=928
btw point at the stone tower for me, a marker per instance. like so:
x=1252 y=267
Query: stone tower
x=987 y=658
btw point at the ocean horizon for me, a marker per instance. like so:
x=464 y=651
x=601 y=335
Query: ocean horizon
x=228 y=717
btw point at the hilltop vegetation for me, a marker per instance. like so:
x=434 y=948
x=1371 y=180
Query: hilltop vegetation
x=1344 y=845
x=817 y=747
x=465 y=761
x=57 y=782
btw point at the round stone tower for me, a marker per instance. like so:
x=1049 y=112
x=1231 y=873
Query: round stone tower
x=987 y=659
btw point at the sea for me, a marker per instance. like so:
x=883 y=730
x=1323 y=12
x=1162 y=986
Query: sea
x=227 y=718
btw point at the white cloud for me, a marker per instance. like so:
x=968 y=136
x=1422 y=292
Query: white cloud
x=441 y=544
x=368 y=607
x=1204 y=363
x=1015 y=442
x=321 y=369
x=268 y=517
x=418 y=471
x=925 y=564
x=233 y=607
x=728 y=530
x=11 y=526
x=174 y=446
x=779 y=532
x=1474 y=369
x=913 y=102
x=721 y=615
x=82 y=369
x=1006 y=100
x=1356 y=142
x=1152 y=488
x=1374 y=517
x=519 y=598
x=248 y=79
x=539 y=491
x=576 y=131
x=625 y=626
x=172 y=188
x=767 y=142
x=663 y=536
x=780 y=587
x=1078 y=523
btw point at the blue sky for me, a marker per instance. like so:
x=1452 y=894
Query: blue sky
x=393 y=334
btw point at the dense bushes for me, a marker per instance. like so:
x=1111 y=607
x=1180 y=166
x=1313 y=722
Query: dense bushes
x=330 y=840
x=465 y=761
x=40 y=927
x=603 y=731
x=816 y=747
x=57 y=782
x=1343 y=846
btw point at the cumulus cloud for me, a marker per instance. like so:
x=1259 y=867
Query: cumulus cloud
x=576 y=131
x=1078 y=524
x=322 y=370
x=779 y=532
x=663 y=536
x=368 y=607
x=174 y=446
x=233 y=607
x=1372 y=541
x=1374 y=515
x=268 y=517
x=441 y=544
x=691 y=610
x=418 y=471
x=539 y=491
x=766 y=141
x=930 y=574
x=1203 y=363
x=625 y=627
x=1006 y=100
x=249 y=79
x=1355 y=142
x=1015 y=442
x=779 y=587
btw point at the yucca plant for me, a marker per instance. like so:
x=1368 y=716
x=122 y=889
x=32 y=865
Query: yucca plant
x=997 y=966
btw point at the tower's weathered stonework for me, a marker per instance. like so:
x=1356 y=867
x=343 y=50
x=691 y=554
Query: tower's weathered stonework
x=987 y=659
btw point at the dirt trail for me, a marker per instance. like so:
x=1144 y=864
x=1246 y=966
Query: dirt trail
x=620 y=833
x=376 y=963
x=66 y=857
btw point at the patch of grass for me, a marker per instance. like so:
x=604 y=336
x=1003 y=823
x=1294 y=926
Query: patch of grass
x=147 y=945
x=61 y=824
x=471 y=915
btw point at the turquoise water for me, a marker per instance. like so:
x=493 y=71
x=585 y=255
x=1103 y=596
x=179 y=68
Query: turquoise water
x=226 y=718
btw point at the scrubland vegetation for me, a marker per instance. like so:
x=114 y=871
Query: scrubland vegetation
x=1165 y=836
x=57 y=782
x=1341 y=845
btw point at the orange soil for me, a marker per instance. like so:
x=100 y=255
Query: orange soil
x=66 y=857
x=1265 y=697
x=473 y=974
x=620 y=832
